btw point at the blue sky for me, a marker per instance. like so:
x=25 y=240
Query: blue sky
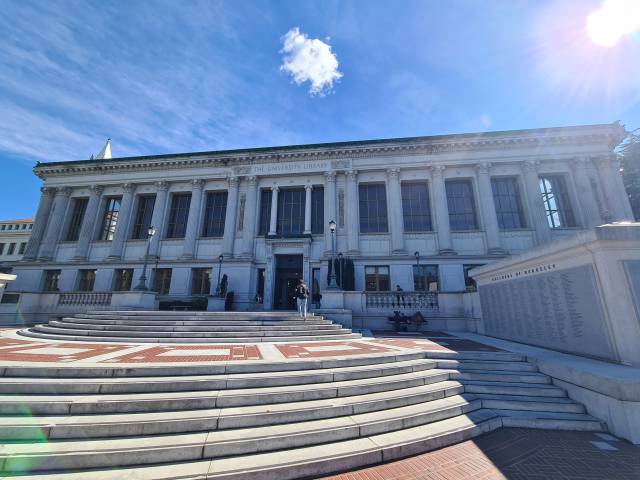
x=176 y=76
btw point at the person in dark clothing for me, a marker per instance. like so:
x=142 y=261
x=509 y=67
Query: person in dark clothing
x=302 y=295
x=399 y=296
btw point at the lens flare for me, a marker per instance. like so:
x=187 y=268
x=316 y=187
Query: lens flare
x=612 y=21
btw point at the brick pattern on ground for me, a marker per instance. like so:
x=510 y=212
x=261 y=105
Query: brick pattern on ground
x=515 y=454
x=191 y=353
x=329 y=349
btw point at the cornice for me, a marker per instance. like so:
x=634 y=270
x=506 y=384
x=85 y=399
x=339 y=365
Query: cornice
x=608 y=135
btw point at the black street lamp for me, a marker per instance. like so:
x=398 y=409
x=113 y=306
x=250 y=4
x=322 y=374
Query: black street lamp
x=340 y=257
x=220 y=258
x=142 y=284
x=332 y=275
x=417 y=255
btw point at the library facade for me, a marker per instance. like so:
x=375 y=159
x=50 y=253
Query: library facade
x=410 y=214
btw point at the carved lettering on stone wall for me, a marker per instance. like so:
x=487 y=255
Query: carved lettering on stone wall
x=341 y=208
x=243 y=201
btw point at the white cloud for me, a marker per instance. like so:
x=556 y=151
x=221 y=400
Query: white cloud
x=309 y=60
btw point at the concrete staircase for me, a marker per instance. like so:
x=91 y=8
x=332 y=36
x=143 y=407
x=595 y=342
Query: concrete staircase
x=190 y=327
x=250 y=421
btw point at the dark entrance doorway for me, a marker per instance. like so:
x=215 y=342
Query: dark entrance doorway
x=288 y=272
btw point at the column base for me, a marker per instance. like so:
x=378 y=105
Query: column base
x=352 y=253
x=44 y=259
x=187 y=256
x=496 y=251
x=79 y=258
x=395 y=253
x=114 y=258
x=447 y=251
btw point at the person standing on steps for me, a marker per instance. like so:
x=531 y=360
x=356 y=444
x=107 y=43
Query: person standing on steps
x=302 y=295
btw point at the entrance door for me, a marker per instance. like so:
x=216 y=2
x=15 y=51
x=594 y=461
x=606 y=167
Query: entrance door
x=288 y=273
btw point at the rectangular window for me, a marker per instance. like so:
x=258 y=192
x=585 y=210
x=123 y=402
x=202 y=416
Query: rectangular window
x=469 y=282
x=123 y=279
x=416 y=210
x=51 y=278
x=4 y=227
x=425 y=278
x=555 y=197
x=162 y=280
x=506 y=197
x=1 y=248
x=200 y=281
x=376 y=278
x=214 y=214
x=79 y=207
x=12 y=248
x=86 y=280
x=291 y=211
x=8 y=297
x=22 y=248
x=144 y=213
x=315 y=286
x=178 y=215
x=265 y=211
x=462 y=210
x=110 y=218
x=373 y=208
x=317 y=210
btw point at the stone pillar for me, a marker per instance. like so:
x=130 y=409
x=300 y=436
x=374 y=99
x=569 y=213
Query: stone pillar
x=330 y=211
x=251 y=206
x=273 y=219
x=586 y=195
x=352 y=220
x=443 y=229
x=122 y=227
x=614 y=191
x=52 y=234
x=191 y=234
x=157 y=219
x=488 y=207
x=395 y=209
x=40 y=223
x=538 y=216
x=307 y=209
x=89 y=222
x=230 y=218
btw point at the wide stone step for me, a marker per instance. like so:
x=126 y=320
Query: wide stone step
x=150 y=402
x=513 y=388
x=157 y=315
x=156 y=423
x=92 y=338
x=117 y=452
x=194 y=328
x=518 y=377
x=207 y=382
x=484 y=366
x=313 y=461
x=202 y=322
x=537 y=404
x=550 y=420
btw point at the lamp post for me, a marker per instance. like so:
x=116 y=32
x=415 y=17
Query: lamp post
x=332 y=276
x=142 y=284
x=220 y=258
x=417 y=272
x=340 y=257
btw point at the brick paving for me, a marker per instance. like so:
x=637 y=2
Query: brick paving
x=191 y=353
x=515 y=454
x=329 y=349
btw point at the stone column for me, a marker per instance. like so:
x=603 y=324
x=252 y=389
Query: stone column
x=614 y=191
x=251 y=206
x=443 y=229
x=488 y=207
x=538 y=216
x=330 y=211
x=122 y=226
x=157 y=219
x=586 y=195
x=273 y=219
x=307 y=209
x=89 y=222
x=352 y=220
x=230 y=218
x=40 y=223
x=52 y=234
x=191 y=234
x=395 y=210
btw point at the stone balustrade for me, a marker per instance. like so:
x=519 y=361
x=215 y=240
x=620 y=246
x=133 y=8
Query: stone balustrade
x=404 y=300
x=85 y=298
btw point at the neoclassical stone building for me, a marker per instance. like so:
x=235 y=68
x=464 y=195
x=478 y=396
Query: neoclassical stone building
x=261 y=216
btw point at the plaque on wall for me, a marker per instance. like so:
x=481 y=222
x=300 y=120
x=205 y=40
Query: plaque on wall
x=561 y=309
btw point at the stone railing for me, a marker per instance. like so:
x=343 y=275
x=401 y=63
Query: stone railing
x=422 y=301
x=85 y=298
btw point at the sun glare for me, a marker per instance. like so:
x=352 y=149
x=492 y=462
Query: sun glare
x=613 y=20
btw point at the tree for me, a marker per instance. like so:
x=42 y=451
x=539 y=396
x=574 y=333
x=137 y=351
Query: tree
x=630 y=161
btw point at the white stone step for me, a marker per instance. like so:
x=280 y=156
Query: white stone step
x=515 y=402
x=193 y=328
x=487 y=365
x=207 y=382
x=513 y=388
x=163 y=401
x=117 y=452
x=500 y=376
x=201 y=322
x=550 y=420
x=155 y=423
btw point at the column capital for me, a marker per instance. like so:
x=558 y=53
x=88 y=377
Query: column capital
x=438 y=170
x=352 y=175
x=531 y=165
x=162 y=185
x=129 y=187
x=393 y=173
x=48 y=191
x=330 y=176
x=483 y=168
x=96 y=189
x=308 y=187
x=580 y=163
x=63 y=191
x=233 y=182
x=197 y=184
x=252 y=180
x=275 y=188
x=607 y=161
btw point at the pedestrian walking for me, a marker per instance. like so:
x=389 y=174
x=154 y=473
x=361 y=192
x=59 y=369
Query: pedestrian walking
x=302 y=295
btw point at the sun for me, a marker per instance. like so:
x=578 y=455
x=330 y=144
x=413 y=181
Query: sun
x=613 y=20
